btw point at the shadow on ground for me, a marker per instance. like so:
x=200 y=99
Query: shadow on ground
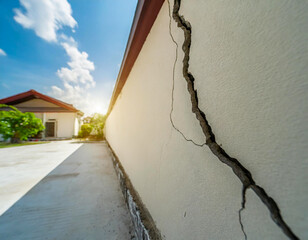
x=80 y=199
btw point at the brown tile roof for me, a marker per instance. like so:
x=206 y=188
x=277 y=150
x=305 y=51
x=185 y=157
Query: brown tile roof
x=32 y=94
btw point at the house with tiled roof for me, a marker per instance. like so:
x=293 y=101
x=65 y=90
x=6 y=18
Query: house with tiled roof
x=61 y=120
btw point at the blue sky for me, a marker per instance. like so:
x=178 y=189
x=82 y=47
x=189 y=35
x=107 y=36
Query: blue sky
x=71 y=50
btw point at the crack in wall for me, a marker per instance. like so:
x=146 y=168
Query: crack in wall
x=240 y=211
x=239 y=170
x=172 y=92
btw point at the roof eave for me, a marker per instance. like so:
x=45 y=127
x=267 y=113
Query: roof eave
x=32 y=92
x=145 y=16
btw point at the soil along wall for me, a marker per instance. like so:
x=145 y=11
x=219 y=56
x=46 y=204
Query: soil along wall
x=210 y=125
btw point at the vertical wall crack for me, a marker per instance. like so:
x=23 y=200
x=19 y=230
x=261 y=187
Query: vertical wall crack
x=240 y=211
x=239 y=170
x=172 y=91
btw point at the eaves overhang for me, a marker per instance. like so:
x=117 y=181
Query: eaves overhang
x=145 y=16
x=32 y=94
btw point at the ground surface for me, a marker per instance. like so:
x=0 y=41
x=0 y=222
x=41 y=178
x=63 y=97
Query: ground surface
x=80 y=199
x=7 y=145
x=23 y=167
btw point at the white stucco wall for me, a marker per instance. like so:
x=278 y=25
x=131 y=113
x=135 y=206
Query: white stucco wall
x=40 y=116
x=64 y=123
x=76 y=126
x=249 y=61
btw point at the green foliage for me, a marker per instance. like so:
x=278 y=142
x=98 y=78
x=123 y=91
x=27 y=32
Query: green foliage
x=98 y=122
x=93 y=127
x=17 y=125
x=85 y=130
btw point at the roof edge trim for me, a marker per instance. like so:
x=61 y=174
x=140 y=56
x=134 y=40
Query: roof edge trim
x=145 y=16
x=41 y=96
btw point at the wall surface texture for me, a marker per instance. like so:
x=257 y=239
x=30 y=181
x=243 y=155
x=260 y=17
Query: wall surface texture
x=66 y=125
x=249 y=61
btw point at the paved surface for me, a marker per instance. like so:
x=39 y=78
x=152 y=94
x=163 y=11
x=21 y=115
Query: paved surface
x=23 y=167
x=80 y=199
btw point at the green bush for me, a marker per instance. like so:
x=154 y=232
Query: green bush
x=17 y=125
x=93 y=127
x=85 y=130
x=98 y=123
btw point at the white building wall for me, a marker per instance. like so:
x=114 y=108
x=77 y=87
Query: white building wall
x=40 y=116
x=64 y=123
x=66 y=126
x=76 y=126
x=249 y=60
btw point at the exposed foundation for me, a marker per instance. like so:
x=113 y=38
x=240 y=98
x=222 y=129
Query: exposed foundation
x=145 y=228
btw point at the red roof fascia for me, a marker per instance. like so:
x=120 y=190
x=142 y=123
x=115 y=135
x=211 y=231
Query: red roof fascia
x=32 y=92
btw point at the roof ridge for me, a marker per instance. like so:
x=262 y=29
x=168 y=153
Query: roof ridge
x=39 y=95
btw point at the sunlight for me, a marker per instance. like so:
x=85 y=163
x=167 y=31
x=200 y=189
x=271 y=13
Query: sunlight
x=96 y=107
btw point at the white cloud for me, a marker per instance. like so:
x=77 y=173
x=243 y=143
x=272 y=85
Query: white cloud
x=73 y=94
x=45 y=17
x=76 y=78
x=88 y=101
x=70 y=94
x=78 y=59
x=79 y=65
x=2 y=53
x=57 y=91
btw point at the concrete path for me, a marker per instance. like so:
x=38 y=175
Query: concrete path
x=23 y=167
x=80 y=199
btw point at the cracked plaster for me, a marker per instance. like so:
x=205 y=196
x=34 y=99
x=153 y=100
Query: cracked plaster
x=239 y=170
x=183 y=179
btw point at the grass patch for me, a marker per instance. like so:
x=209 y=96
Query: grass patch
x=7 y=145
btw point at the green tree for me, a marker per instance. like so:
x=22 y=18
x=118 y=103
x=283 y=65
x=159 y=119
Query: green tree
x=17 y=125
x=97 y=120
x=85 y=130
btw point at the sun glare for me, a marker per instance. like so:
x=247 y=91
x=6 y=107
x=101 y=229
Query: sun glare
x=96 y=108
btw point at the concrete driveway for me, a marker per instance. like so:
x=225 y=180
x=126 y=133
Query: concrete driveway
x=23 y=167
x=79 y=199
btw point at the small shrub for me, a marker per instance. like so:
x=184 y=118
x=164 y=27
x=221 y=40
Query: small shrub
x=85 y=130
x=98 y=123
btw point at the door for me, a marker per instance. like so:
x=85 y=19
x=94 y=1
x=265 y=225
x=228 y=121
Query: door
x=50 y=129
